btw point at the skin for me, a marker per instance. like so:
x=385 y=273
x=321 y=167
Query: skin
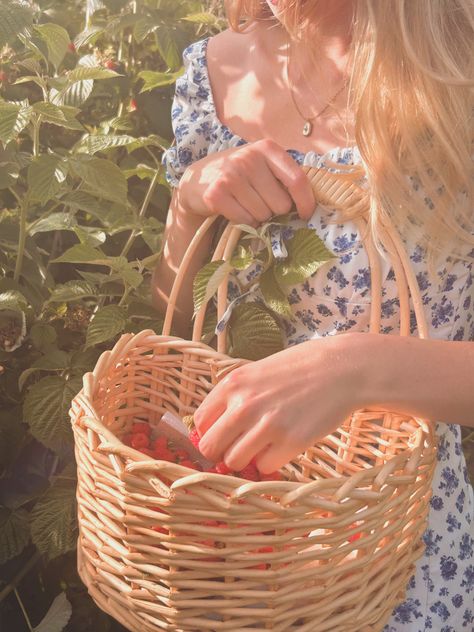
x=275 y=408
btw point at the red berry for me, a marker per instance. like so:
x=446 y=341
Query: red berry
x=71 y=47
x=163 y=454
x=222 y=468
x=147 y=451
x=188 y=463
x=250 y=473
x=212 y=469
x=194 y=437
x=182 y=454
x=133 y=105
x=159 y=443
x=272 y=476
x=141 y=426
x=111 y=64
x=127 y=439
x=140 y=440
x=3 y=76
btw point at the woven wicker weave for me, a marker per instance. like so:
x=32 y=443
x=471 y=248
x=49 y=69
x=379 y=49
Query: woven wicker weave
x=329 y=549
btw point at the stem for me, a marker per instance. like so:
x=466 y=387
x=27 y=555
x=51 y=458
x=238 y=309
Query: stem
x=19 y=576
x=21 y=241
x=141 y=213
x=30 y=627
x=36 y=129
x=469 y=437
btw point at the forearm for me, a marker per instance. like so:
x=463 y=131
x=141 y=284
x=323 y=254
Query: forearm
x=432 y=379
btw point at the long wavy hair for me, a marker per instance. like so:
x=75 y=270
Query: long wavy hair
x=411 y=90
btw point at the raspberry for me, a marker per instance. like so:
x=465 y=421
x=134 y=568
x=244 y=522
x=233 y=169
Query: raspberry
x=133 y=105
x=272 y=476
x=182 y=454
x=147 y=451
x=111 y=64
x=141 y=427
x=163 y=454
x=159 y=443
x=194 y=437
x=188 y=463
x=127 y=439
x=250 y=473
x=140 y=440
x=71 y=47
x=222 y=468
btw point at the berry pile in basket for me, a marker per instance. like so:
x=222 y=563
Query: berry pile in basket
x=163 y=449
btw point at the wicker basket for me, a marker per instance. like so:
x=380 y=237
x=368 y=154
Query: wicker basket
x=329 y=549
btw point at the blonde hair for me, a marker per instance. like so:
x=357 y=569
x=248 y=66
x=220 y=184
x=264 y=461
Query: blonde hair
x=411 y=89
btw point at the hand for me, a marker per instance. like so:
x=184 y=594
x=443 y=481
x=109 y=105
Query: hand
x=275 y=408
x=246 y=184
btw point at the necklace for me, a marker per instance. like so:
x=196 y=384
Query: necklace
x=308 y=121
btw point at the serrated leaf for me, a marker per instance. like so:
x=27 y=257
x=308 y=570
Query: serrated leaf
x=103 y=178
x=57 y=40
x=14 y=18
x=201 y=18
x=54 y=360
x=253 y=332
x=207 y=281
x=46 y=409
x=9 y=173
x=13 y=119
x=42 y=335
x=166 y=42
x=84 y=253
x=106 y=323
x=242 y=259
x=45 y=177
x=55 y=221
x=82 y=73
x=54 y=521
x=87 y=36
x=57 y=616
x=12 y=300
x=275 y=298
x=306 y=253
x=91 y=144
x=143 y=28
x=73 y=291
x=154 y=79
x=63 y=116
x=14 y=533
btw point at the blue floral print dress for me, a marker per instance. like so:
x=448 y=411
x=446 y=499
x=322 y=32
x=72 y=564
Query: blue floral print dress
x=440 y=595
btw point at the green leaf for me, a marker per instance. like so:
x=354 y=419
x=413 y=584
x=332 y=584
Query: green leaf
x=154 y=79
x=306 y=254
x=84 y=253
x=142 y=171
x=275 y=298
x=14 y=18
x=106 y=323
x=253 y=332
x=9 y=173
x=166 y=43
x=54 y=360
x=14 y=301
x=55 y=221
x=14 y=533
x=201 y=18
x=129 y=274
x=45 y=177
x=242 y=259
x=42 y=335
x=46 y=409
x=207 y=281
x=82 y=73
x=57 y=616
x=73 y=291
x=102 y=178
x=13 y=119
x=63 y=116
x=54 y=520
x=87 y=36
x=57 y=40
x=91 y=144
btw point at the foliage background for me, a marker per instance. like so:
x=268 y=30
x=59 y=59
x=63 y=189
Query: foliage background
x=85 y=99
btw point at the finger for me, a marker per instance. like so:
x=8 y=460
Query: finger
x=222 y=434
x=213 y=406
x=249 y=445
x=275 y=456
x=292 y=176
x=270 y=189
x=223 y=202
x=251 y=200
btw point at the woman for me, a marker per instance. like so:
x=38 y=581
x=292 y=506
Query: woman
x=386 y=86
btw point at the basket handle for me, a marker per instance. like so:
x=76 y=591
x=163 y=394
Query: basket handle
x=333 y=190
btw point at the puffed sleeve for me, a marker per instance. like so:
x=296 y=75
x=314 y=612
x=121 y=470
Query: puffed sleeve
x=191 y=114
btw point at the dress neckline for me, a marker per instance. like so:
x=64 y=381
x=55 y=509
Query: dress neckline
x=346 y=155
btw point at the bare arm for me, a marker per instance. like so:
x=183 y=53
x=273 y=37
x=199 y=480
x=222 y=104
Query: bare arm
x=179 y=231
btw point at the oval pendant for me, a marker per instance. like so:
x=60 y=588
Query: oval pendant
x=307 y=129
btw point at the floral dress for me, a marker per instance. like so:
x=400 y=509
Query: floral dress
x=440 y=595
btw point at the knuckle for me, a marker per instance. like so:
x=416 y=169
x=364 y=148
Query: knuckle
x=282 y=206
x=266 y=144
